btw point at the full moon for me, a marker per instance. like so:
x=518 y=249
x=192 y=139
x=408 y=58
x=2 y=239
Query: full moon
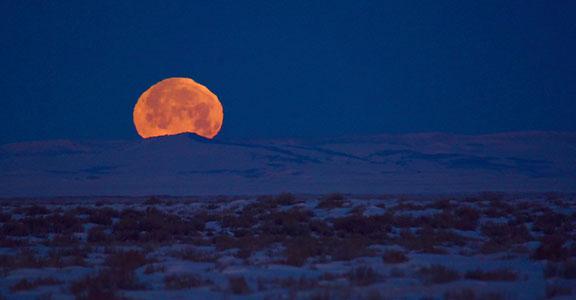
x=178 y=105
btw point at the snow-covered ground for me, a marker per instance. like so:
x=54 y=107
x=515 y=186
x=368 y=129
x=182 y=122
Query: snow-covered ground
x=188 y=165
x=480 y=246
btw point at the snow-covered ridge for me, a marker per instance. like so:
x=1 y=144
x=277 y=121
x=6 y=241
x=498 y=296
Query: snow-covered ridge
x=186 y=164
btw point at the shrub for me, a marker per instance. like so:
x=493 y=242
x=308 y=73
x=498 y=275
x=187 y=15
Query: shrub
x=196 y=255
x=320 y=227
x=330 y=201
x=285 y=199
x=104 y=285
x=551 y=248
x=496 y=275
x=293 y=223
x=551 y=270
x=394 y=257
x=470 y=294
x=238 y=285
x=428 y=240
x=374 y=227
x=183 y=281
x=64 y=223
x=553 y=223
x=153 y=201
x=566 y=269
x=126 y=261
x=555 y=290
x=298 y=251
x=437 y=274
x=154 y=268
x=97 y=235
x=25 y=284
x=466 y=218
x=102 y=216
x=35 y=210
x=154 y=226
x=443 y=204
x=506 y=233
x=362 y=276
x=63 y=240
x=569 y=269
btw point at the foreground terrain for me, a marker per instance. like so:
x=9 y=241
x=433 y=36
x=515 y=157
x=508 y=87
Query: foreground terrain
x=485 y=246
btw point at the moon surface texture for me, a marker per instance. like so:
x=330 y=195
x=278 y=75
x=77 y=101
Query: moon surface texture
x=178 y=105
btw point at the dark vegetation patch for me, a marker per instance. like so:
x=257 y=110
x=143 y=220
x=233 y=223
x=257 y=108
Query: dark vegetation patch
x=25 y=284
x=331 y=201
x=394 y=257
x=238 y=285
x=363 y=276
x=438 y=274
x=495 y=275
x=471 y=294
x=557 y=290
x=566 y=269
x=184 y=281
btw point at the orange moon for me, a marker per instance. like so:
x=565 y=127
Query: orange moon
x=178 y=105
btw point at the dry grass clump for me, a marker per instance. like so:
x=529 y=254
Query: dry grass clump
x=291 y=283
x=196 y=255
x=98 y=235
x=443 y=204
x=437 y=274
x=153 y=201
x=5 y=217
x=503 y=236
x=126 y=260
x=565 y=269
x=428 y=240
x=299 y=250
x=104 y=285
x=118 y=274
x=33 y=210
x=331 y=201
x=374 y=227
x=102 y=216
x=291 y=223
x=470 y=294
x=495 y=275
x=184 y=281
x=407 y=206
x=25 y=284
x=363 y=276
x=7 y=242
x=553 y=223
x=68 y=256
x=63 y=240
x=238 y=285
x=285 y=199
x=29 y=258
x=154 y=226
x=553 y=248
x=154 y=268
x=555 y=290
x=506 y=233
x=41 y=226
x=394 y=257
x=466 y=218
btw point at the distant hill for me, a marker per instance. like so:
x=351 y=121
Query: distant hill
x=189 y=165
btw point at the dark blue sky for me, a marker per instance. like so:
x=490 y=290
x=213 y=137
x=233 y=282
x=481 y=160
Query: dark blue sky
x=74 y=69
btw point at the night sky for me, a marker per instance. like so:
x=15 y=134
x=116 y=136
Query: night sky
x=74 y=69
